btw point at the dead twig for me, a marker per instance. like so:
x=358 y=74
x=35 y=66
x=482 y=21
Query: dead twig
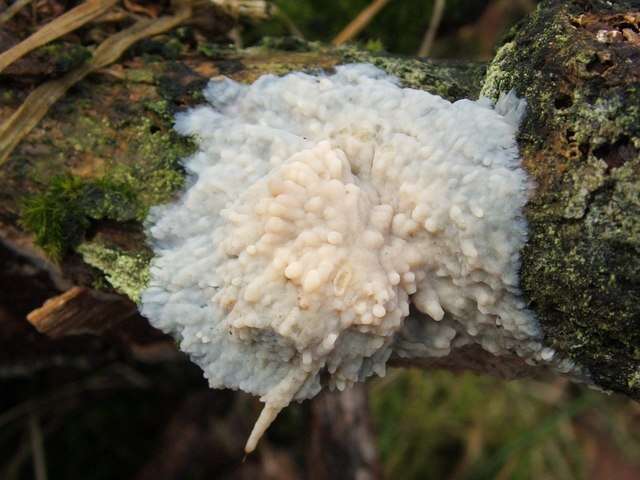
x=68 y=22
x=360 y=22
x=36 y=105
x=37 y=448
x=434 y=23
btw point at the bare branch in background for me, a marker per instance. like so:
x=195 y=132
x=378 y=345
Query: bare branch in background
x=360 y=22
x=434 y=23
x=37 y=448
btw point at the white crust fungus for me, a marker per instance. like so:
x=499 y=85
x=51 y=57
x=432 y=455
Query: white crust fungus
x=320 y=208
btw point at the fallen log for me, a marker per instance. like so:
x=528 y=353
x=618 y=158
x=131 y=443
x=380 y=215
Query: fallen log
x=77 y=188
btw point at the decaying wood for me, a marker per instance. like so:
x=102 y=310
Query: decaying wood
x=80 y=310
x=580 y=142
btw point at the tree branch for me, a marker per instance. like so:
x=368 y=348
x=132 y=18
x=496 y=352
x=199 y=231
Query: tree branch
x=580 y=142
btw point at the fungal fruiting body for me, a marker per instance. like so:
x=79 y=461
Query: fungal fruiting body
x=321 y=207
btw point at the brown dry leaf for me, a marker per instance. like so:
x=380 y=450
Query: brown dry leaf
x=68 y=22
x=36 y=105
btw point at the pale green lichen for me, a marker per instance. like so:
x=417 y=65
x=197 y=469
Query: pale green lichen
x=496 y=76
x=161 y=107
x=126 y=272
x=584 y=180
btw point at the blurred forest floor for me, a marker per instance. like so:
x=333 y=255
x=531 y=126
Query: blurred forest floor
x=125 y=420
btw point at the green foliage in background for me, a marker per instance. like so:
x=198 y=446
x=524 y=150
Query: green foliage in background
x=438 y=425
x=400 y=25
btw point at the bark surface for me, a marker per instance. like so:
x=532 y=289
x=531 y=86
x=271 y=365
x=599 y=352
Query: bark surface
x=77 y=189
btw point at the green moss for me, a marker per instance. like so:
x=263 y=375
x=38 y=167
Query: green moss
x=116 y=160
x=63 y=56
x=60 y=215
x=214 y=50
x=160 y=107
x=167 y=46
x=127 y=272
x=140 y=75
x=173 y=48
x=374 y=46
x=63 y=210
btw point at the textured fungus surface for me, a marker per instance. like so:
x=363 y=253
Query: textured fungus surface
x=319 y=208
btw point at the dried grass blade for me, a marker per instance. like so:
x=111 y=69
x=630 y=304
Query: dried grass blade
x=65 y=23
x=360 y=22
x=36 y=105
x=434 y=23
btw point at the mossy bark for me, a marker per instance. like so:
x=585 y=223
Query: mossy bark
x=580 y=72
x=82 y=182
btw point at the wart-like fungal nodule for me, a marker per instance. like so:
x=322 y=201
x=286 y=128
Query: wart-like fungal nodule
x=319 y=208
